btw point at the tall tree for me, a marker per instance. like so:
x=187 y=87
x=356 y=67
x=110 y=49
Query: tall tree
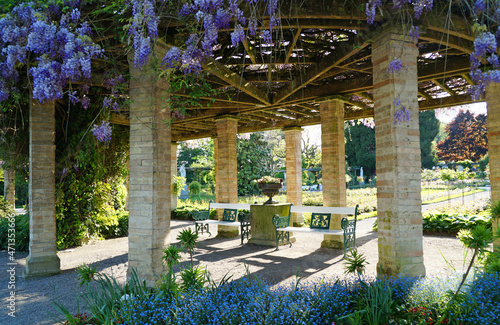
x=360 y=145
x=254 y=161
x=429 y=129
x=467 y=138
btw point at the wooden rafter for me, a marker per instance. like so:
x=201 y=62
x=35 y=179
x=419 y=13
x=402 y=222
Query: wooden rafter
x=235 y=80
x=451 y=41
x=443 y=86
x=316 y=72
x=292 y=45
x=250 y=51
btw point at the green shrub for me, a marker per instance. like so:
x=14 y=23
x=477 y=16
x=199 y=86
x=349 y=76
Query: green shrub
x=118 y=229
x=451 y=224
x=6 y=208
x=22 y=232
x=194 y=188
x=183 y=212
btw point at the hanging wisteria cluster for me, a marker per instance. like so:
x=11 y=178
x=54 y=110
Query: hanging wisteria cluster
x=211 y=16
x=102 y=132
x=59 y=45
x=485 y=65
x=402 y=114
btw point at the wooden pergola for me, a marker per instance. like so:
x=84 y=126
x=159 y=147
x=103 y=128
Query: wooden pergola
x=327 y=65
x=323 y=52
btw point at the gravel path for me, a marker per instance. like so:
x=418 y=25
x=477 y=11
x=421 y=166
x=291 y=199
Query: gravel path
x=220 y=256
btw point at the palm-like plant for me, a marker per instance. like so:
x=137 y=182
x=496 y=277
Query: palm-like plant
x=355 y=263
x=188 y=238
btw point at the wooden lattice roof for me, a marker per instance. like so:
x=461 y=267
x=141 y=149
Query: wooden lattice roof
x=324 y=51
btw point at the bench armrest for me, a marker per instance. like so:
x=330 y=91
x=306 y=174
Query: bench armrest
x=244 y=218
x=200 y=215
x=348 y=225
x=281 y=222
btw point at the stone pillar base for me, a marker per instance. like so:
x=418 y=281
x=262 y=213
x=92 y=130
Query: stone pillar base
x=227 y=232
x=41 y=266
x=407 y=269
x=333 y=241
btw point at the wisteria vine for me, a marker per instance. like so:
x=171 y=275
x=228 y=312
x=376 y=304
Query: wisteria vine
x=211 y=16
x=55 y=46
x=59 y=44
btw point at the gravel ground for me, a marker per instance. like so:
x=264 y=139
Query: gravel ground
x=221 y=256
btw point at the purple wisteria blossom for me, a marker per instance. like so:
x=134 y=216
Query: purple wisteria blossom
x=72 y=97
x=252 y=27
x=64 y=172
x=102 y=132
x=106 y=102
x=61 y=51
x=479 y=7
x=85 y=102
x=266 y=36
x=173 y=58
x=419 y=6
x=402 y=114
x=414 y=33
x=237 y=36
x=395 y=65
x=371 y=10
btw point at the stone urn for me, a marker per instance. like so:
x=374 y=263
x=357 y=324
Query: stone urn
x=270 y=190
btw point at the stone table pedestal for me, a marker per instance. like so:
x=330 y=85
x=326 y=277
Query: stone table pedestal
x=261 y=222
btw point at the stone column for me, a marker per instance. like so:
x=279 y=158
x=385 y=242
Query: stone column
x=333 y=165
x=150 y=182
x=42 y=259
x=9 y=186
x=226 y=170
x=293 y=139
x=173 y=171
x=398 y=163
x=216 y=155
x=493 y=104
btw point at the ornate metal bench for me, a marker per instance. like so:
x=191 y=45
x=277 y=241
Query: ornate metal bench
x=320 y=224
x=202 y=219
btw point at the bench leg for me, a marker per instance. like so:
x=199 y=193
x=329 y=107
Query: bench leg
x=245 y=231
x=202 y=227
x=283 y=237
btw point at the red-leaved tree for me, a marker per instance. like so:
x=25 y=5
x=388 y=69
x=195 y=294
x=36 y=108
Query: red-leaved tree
x=467 y=138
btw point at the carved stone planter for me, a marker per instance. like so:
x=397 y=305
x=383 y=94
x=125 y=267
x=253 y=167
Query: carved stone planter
x=270 y=190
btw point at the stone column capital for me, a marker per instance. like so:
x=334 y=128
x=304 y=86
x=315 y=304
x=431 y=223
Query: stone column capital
x=226 y=117
x=292 y=128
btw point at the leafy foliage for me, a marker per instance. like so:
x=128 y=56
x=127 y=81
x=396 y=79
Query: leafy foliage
x=467 y=138
x=22 y=232
x=429 y=129
x=253 y=162
x=6 y=209
x=360 y=146
x=452 y=223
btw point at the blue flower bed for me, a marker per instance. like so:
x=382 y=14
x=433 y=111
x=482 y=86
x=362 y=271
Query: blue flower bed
x=246 y=302
x=483 y=304
x=253 y=302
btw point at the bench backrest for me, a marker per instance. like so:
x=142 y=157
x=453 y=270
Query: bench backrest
x=320 y=220
x=319 y=209
x=230 y=215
